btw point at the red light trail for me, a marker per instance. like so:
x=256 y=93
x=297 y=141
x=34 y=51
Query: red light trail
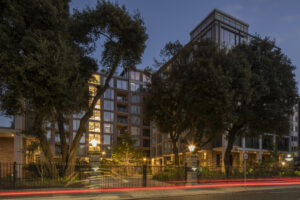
x=266 y=182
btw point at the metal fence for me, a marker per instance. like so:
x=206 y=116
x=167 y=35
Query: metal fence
x=13 y=175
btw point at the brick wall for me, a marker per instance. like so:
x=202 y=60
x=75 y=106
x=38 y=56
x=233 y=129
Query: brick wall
x=6 y=150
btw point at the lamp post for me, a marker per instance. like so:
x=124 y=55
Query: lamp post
x=192 y=165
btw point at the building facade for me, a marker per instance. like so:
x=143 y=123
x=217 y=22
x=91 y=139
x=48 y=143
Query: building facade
x=228 y=31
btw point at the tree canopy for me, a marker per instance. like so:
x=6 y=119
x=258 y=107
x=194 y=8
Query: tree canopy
x=45 y=60
x=206 y=90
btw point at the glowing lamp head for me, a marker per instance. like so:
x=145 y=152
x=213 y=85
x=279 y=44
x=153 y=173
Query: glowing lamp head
x=283 y=163
x=103 y=153
x=94 y=143
x=144 y=159
x=191 y=147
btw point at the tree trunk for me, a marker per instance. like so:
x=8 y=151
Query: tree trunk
x=40 y=133
x=175 y=152
x=64 y=146
x=70 y=163
x=230 y=139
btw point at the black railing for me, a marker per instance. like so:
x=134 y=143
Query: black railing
x=37 y=175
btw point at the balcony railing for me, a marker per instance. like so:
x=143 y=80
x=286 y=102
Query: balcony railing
x=122 y=99
x=122 y=109
x=122 y=120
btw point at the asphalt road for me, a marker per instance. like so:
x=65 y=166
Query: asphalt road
x=249 y=193
x=275 y=194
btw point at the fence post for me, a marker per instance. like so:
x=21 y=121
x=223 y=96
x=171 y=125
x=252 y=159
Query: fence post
x=145 y=175
x=14 y=174
x=185 y=171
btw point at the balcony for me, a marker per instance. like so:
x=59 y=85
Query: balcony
x=146 y=123
x=146 y=132
x=122 y=120
x=122 y=99
x=122 y=109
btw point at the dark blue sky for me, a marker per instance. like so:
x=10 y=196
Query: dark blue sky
x=170 y=20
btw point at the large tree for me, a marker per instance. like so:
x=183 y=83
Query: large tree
x=206 y=90
x=45 y=63
x=262 y=92
x=176 y=99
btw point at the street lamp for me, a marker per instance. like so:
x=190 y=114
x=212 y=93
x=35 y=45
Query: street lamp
x=191 y=147
x=144 y=159
x=94 y=142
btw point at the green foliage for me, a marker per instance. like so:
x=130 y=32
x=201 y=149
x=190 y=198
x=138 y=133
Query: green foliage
x=45 y=60
x=125 y=153
x=170 y=174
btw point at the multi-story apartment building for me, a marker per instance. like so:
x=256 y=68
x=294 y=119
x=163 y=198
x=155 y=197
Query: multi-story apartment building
x=228 y=31
x=118 y=111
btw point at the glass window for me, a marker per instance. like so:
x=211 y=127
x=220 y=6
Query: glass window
x=57 y=137
x=135 y=76
x=122 y=84
x=82 y=139
x=153 y=140
x=108 y=128
x=96 y=115
x=146 y=79
x=108 y=105
x=107 y=139
x=95 y=79
x=76 y=123
x=57 y=149
x=94 y=126
x=135 y=109
x=111 y=82
x=48 y=135
x=78 y=115
x=137 y=142
x=135 y=131
x=135 y=99
x=135 y=120
x=81 y=150
x=108 y=116
x=134 y=87
x=92 y=90
x=109 y=94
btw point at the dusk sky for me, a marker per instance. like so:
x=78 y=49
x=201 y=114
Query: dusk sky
x=170 y=20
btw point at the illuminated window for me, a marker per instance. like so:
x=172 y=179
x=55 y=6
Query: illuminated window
x=94 y=142
x=108 y=128
x=98 y=105
x=94 y=126
x=96 y=115
x=92 y=90
x=95 y=79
